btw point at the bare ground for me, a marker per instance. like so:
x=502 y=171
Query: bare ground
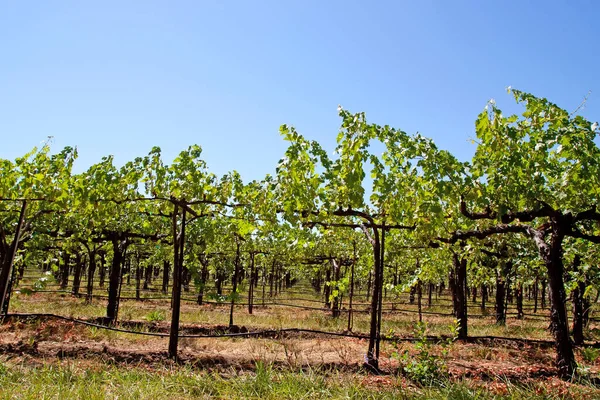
x=43 y=340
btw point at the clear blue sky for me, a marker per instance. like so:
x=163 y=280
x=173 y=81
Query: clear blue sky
x=118 y=77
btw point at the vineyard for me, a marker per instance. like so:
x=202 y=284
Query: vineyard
x=388 y=257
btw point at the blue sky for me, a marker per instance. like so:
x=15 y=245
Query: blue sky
x=120 y=77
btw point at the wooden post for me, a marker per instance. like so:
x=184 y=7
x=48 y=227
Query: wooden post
x=178 y=247
x=235 y=280
x=251 y=285
x=351 y=290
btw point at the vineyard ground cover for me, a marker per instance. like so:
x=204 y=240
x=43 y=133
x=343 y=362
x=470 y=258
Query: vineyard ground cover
x=93 y=379
x=303 y=295
x=292 y=302
x=503 y=363
x=280 y=317
x=38 y=350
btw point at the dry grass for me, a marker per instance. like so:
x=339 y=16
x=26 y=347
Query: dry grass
x=505 y=363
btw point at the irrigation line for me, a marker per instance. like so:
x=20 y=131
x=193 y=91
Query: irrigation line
x=221 y=335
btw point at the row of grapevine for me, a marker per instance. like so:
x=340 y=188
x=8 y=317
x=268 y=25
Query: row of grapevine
x=522 y=211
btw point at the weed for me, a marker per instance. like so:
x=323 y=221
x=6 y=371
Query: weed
x=484 y=353
x=127 y=315
x=264 y=372
x=344 y=351
x=214 y=296
x=293 y=354
x=427 y=368
x=94 y=332
x=590 y=354
x=155 y=316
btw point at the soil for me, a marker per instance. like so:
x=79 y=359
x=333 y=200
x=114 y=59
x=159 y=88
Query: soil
x=42 y=340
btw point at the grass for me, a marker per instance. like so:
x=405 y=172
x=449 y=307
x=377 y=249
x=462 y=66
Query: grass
x=155 y=316
x=298 y=295
x=279 y=317
x=100 y=381
x=94 y=380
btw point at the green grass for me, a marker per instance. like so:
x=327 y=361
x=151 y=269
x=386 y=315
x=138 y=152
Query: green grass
x=73 y=381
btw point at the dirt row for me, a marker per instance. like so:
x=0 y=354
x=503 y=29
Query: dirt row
x=44 y=340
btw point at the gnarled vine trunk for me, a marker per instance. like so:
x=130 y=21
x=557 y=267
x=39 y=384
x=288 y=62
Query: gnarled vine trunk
x=251 y=285
x=460 y=294
x=519 y=296
x=578 y=308
x=102 y=269
x=64 y=272
x=551 y=254
x=203 y=279
x=236 y=274
x=372 y=356
x=165 y=280
x=147 y=276
x=77 y=274
x=114 y=279
x=327 y=291
x=484 y=295
x=91 y=272
x=501 y=288
x=335 y=309
x=7 y=261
